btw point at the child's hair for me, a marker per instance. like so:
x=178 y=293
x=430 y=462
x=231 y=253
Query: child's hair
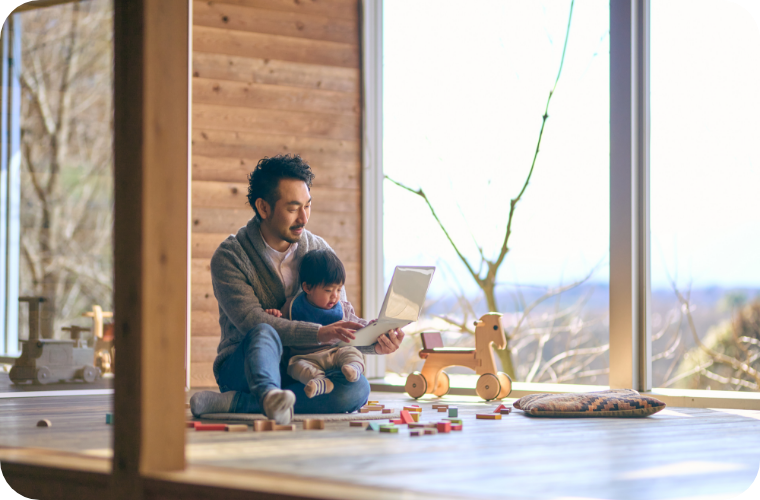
x=321 y=267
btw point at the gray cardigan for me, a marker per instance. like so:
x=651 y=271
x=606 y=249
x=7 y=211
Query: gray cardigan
x=246 y=283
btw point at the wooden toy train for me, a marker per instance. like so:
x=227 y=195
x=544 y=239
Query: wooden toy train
x=433 y=380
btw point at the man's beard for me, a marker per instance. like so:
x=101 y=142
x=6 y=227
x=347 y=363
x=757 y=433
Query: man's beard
x=292 y=239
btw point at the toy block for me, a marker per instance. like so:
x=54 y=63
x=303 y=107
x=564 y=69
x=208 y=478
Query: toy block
x=443 y=427
x=417 y=432
x=398 y=422
x=387 y=410
x=109 y=418
x=430 y=432
x=455 y=421
x=289 y=427
x=363 y=410
x=417 y=426
x=435 y=407
x=191 y=425
x=415 y=416
x=488 y=416
x=370 y=403
x=499 y=408
x=311 y=424
x=236 y=428
x=393 y=430
x=432 y=425
x=453 y=411
x=263 y=425
x=506 y=411
x=431 y=340
x=358 y=423
x=443 y=409
x=413 y=408
x=44 y=423
x=456 y=427
x=211 y=427
x=406 y=417
x=373 y=426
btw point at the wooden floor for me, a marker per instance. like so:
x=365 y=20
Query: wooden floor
x=679 y=453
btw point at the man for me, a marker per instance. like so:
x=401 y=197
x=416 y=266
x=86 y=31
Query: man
x=257 y=269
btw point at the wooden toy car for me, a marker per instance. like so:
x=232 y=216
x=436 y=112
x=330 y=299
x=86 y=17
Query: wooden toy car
x=433 y=380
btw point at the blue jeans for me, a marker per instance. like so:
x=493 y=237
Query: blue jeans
x=254 y=368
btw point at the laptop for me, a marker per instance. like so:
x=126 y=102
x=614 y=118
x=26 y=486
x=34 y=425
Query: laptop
x=401 y=306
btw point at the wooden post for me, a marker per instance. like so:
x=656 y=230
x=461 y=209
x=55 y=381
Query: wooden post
x=151 y=120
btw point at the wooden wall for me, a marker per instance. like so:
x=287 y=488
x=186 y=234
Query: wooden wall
x=271 y=77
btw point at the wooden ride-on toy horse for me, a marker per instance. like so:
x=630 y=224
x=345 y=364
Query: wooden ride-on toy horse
x=433 y=380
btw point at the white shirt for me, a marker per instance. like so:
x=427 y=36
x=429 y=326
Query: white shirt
x=285 y=265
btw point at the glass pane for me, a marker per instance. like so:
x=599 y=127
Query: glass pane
x=704 y=204
x=64 y=122
x=465 y=89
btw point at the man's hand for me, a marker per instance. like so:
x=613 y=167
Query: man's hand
x=338 y=331
x=389 y=342
x=274 y=312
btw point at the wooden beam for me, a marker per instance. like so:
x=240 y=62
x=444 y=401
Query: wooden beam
x=151 y=170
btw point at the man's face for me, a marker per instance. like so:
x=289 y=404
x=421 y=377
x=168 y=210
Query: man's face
x=291 y=212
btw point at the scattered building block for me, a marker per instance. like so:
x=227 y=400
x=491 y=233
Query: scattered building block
x=453 y=411
x=499 y=408
x=431 y=425
x=311 y=424
x=373 y=426
x=430 y=432
x=358 y=423
x=456 y=427
x=211 y=427
x=237 y=428
x=263 y=425
x=488 y=416
x=387 y=410
x=506 y=411
x=415 y=416
x=191 y=425
x=44 y=423
x=455 y=421
x=289 y=427
x=417 y=432
x=393 y=430
x=363 y=410
x=417 y=426
x=443 y=427
x=373 y=407
x=398 y=422
x=443 y=409
x=109 y=418
x=435 y=407
x=413 y=408
x=369 y=403
x=406 y=418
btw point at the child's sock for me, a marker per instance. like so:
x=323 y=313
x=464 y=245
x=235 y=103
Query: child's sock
x=352 y=371
x=278 y=405
x=317 y=386
x=211 y=402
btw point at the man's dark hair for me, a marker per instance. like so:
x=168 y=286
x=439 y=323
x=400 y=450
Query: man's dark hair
x=321 y=267
x=265 y=178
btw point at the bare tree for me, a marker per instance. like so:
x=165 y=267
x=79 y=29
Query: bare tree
x=487 y=281
x=66 y=136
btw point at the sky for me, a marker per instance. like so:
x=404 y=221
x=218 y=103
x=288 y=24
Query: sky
x=465 y=87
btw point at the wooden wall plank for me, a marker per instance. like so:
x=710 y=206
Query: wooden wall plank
x=234 y=143
x=206 y=324
x=275 y=22
x=271 y=121
x=202 y=374
x=338 y=9
x=282 y=48
x=274 y=72
x=266 y=96
x=203 y=349
x=345 y=175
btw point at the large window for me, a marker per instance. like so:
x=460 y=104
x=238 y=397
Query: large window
x=466 y=87
x=705 y=211
x=58 y=192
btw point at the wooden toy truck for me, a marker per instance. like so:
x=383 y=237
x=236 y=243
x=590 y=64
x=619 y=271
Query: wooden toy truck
x=44 y=361
x=433 y=380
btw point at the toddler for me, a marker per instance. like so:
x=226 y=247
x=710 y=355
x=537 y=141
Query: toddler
x=322 y=277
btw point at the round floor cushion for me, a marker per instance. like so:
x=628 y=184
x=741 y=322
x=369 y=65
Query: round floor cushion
x=611 y=403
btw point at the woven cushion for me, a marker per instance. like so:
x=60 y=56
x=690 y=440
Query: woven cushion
x=612 y=403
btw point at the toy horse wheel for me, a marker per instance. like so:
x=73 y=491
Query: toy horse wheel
x=43 y=376
x=89 y=374
x=488 y=386
x=506 y=385
x=416 y=385
x=442 y=385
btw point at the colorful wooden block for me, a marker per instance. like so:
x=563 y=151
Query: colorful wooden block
x=373 y=407
x=263 y=425
x=456 y=427
x=406 y=417
x=363 y=410
x=359 y=423
x=369 y=403
x=417 y=432
x=435 y=407
x=109 y=418
x=499 y=408
x=443 y=409
x=373 y=426
x=488 y=416
x=237 y=428
x=44 y=423
x=415 y=416
x=311 y=424
x=413 y=409
x=430 y=432
x=454 y=421
x=417 y=426
x=210 y=427
x=453 y=411
x=191 y=424
x=393 y=430
x=398 y=422
x=443 y=427
x=289 y=427
x=387 y=410
x=506 y=411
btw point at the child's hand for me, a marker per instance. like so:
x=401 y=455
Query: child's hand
x=274 y=312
